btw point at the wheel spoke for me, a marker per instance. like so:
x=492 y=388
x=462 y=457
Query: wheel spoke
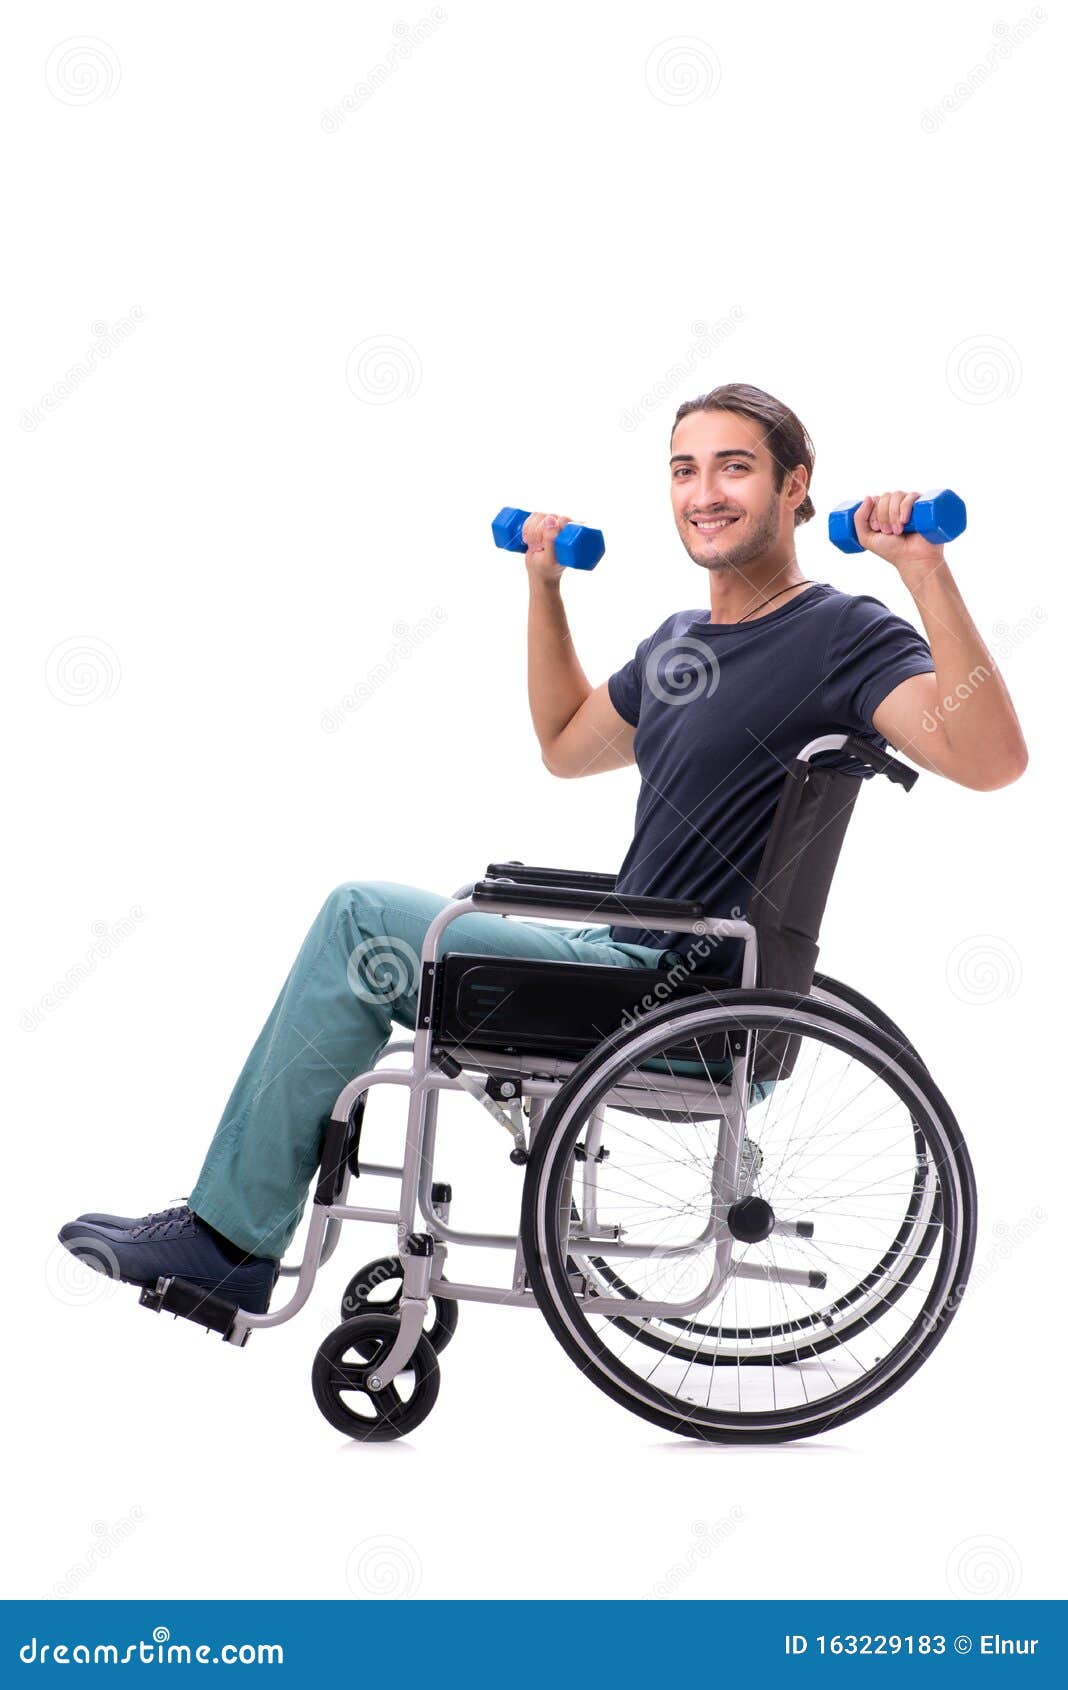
x=388 y=1402
x=349 y=1376
x=848 y=1140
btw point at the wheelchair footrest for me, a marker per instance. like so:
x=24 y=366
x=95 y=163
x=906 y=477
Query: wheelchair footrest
x=182 y=1297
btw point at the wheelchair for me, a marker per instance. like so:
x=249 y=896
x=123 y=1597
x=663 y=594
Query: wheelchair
x=747 y=1214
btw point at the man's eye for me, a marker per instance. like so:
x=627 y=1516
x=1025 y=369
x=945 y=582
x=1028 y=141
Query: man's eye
x=684 y=469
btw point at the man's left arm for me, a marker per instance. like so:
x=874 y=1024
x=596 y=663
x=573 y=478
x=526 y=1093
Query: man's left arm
x=958 y=722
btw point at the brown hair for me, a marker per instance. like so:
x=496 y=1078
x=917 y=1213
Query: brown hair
x=785 y=435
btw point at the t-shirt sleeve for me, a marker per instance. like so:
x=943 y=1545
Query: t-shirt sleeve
x=625 y=686
x=870 y=652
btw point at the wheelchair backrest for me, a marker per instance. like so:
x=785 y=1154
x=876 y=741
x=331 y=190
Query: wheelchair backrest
x=796 y=870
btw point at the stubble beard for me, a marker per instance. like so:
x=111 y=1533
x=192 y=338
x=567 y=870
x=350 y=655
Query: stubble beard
x=759 y=540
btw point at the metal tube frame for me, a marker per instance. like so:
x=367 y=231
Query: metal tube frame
x=543 y=1078
x=425 y=1081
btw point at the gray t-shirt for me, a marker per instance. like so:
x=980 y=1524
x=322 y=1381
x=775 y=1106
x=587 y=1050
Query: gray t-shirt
x=720 y=711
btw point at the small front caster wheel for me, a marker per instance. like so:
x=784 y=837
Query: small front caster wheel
x=344 y=1367
x=376 y=1289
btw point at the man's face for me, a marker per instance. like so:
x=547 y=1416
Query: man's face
x=727 y=510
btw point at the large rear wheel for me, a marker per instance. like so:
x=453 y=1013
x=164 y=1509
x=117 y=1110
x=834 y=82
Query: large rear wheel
x=835 y=1321
x=830 y=1226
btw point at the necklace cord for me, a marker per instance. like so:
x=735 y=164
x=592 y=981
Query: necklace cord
x=774 y=596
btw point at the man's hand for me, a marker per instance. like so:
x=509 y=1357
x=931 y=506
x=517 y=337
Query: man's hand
x=879 y=524
x=539 y=536
x=959 y=721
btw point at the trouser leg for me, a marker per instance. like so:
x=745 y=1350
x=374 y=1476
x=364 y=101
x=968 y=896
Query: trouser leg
x=356 y=973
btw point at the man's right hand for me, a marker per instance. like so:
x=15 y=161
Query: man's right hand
x=540 y=532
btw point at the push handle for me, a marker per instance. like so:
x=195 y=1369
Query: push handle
x=882 y=763
x=939 y=516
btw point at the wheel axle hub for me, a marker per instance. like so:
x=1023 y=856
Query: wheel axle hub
x=751 y=1220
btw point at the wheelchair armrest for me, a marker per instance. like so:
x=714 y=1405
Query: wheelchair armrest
x=522 y=874
x=624 y=912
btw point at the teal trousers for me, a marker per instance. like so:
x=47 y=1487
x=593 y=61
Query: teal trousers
x=356 y=973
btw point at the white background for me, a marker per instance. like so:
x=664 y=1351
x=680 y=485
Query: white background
x=553 y=225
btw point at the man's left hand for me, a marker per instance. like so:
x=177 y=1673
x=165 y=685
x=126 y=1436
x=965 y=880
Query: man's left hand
x=879 y=526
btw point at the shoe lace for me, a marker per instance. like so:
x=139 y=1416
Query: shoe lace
x=174 y=1221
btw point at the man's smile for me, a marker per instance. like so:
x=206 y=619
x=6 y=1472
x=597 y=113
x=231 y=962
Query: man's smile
x=712 y=524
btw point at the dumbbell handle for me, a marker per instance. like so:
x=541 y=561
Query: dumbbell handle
x=939 y=516
x=576 y=546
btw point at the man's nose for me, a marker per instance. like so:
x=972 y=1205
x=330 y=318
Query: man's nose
x=709 y=495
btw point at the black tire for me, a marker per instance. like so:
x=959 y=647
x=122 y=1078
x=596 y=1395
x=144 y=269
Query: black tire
x=383 y=1415
x=870 y=1011
x=904 y=1074
x=384 y=1271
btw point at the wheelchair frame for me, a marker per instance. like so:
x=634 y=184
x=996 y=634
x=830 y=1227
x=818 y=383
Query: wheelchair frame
x=784 y=930
x=542 y=1077
x=426 y=1080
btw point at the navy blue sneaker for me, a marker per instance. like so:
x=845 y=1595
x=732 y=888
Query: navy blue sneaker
x=174 y=1243
x=123 y=1223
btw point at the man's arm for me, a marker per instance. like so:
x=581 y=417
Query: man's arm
x=596 y=738
x=958 y=722
x=578 y=728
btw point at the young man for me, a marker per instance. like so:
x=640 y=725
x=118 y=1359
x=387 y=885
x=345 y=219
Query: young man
x=712 y=707
x=714 y=704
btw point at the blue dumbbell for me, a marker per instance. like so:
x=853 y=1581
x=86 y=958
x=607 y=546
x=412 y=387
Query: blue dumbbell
x=577 y=547
x=938 y=516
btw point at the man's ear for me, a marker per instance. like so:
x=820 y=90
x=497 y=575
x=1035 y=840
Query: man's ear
x=796 y=487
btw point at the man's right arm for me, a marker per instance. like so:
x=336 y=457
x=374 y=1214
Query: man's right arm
x=595 y=738
x=579 y=730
